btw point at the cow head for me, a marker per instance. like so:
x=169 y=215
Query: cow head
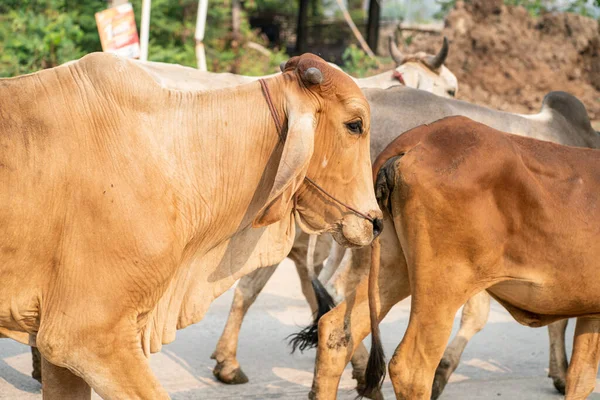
x=425 y=71
x=328 y=135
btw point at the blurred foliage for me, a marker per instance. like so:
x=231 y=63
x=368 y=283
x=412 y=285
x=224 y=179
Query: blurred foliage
x=582 y=7
x=357 y=63
x=37 y=34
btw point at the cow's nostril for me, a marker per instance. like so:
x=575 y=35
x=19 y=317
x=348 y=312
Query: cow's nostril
x=377 y=226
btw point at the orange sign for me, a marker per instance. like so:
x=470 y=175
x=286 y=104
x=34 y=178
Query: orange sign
x=118 y=32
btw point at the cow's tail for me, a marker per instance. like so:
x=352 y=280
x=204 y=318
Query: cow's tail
x=375 y=373
x=308 y=337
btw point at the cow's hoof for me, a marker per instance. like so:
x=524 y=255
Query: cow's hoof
x=231 y=375
x=559 y=384
x=36 y=361
x=439 y=383
x=312 y=395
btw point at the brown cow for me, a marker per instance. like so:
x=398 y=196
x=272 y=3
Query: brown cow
x=126 y=207
x=475 y=209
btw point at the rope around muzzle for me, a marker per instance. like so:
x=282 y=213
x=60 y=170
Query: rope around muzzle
x=282 y=137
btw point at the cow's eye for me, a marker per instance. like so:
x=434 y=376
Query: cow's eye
x=355 y=127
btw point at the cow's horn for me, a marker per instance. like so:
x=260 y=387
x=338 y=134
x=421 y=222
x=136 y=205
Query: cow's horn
x=282 y=66
x=313 y=75
x=396 y=54
x=434 y=62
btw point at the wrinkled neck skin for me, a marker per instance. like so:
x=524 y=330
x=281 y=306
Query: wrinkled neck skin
x=222 y=245
x=227 y=158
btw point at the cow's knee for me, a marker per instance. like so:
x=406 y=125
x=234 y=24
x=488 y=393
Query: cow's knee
x=53 y=351
x=405 y=386
x=333 y=334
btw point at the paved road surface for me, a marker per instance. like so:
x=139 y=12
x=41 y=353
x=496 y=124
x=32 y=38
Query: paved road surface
x=505 y=360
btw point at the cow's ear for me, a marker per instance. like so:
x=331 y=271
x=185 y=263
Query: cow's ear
x=384 y=184
x=295 y=158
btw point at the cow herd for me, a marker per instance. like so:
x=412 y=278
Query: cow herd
x=135 y=193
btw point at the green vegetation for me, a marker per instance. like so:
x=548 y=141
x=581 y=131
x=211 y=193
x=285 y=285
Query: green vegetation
x=356 y=62
x=37 y=34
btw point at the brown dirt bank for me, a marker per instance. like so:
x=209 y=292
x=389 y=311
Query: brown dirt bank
x=508 y=60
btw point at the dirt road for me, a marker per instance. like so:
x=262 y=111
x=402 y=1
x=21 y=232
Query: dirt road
x=506 y=360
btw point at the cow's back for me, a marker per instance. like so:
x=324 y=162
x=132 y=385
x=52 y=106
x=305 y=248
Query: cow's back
x=457 y=148
x=399 y=109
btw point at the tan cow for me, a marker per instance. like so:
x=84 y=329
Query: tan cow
x=421 y=70
x=126 y=207
x=474 y=209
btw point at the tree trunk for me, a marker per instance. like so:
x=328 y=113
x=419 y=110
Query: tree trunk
x=373 y=24
x=355 y=30
x=236 y=37
x=301 y=32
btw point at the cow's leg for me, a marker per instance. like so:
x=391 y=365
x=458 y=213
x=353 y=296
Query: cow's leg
x=104 y=347
x=581 y=376
x=61 y=384
x=306 y=286
x=111 y=362
x=36 y=362
x=336 y=255
x=298 y=255
x=438 y=291
x=474 y=317
x=413 y=365
x=346 y=282
x=228 y=369
x=342 y=330
x=558 y=354
x=318 y=298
